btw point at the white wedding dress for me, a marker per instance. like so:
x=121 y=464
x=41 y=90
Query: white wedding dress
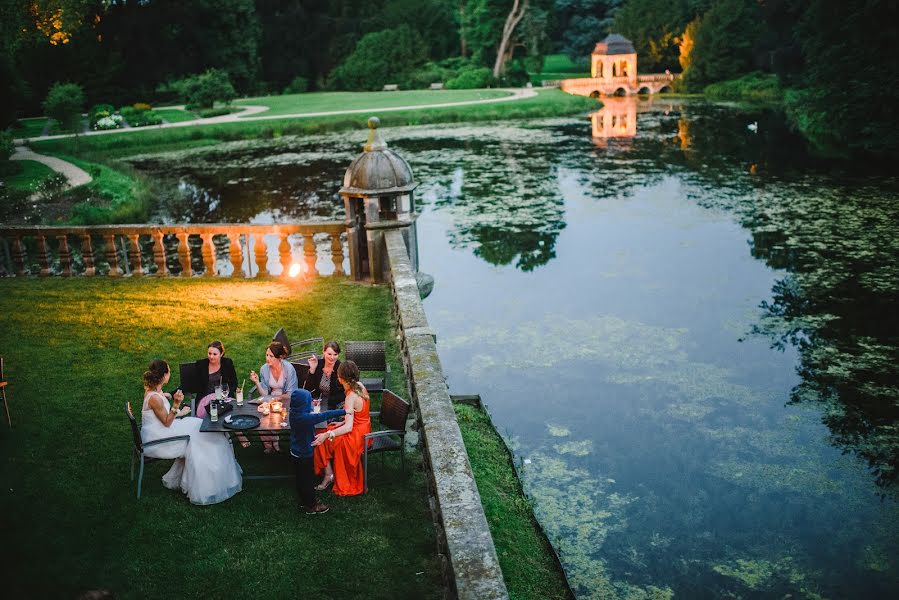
x=205 y=469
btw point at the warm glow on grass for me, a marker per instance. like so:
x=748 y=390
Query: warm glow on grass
x=295 y=269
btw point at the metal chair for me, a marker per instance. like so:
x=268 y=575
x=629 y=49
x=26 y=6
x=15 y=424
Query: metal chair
x=300 y=349
x=3 y=383
x=370 y=356
x=392 y=417
x=138 y=447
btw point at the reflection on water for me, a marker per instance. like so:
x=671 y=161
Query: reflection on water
x=691 y=336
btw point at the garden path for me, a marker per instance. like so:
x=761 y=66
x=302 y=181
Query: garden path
x=74 y=175
x=245 y=115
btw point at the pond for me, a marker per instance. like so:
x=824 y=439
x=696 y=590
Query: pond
x=683 y=324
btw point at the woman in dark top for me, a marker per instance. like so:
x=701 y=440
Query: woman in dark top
x=214 y=370
x=321 y=379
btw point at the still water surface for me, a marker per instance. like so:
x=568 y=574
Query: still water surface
x=686 y=330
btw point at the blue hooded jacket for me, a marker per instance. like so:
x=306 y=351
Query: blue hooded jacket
x=303 y=420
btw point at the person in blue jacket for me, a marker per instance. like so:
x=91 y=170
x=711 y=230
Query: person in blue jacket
x=302 y=432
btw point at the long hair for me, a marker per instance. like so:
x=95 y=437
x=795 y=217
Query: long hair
x=349 y=372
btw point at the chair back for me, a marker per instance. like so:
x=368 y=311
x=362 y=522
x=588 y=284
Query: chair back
x=2 y=377
x=368 y=356
x=281 y=336
x=135 y=430
x=306 y=348
x=394 y=411
x=190 y=378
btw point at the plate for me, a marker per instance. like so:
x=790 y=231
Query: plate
x=241 y=422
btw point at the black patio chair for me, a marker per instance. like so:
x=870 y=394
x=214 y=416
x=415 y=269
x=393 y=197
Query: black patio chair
x=391 y=435
x=370 y=356
x=189 y=377
x=138 y=447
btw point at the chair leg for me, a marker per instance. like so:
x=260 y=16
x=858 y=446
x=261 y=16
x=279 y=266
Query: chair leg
x=403 y=455
x=365 y=470
x=133 y=452
x=140 y=477
x=6 y=406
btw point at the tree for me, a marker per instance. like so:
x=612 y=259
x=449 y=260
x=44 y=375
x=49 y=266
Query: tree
x=516 y=14
x=383 y=57
x=723 y=43
x=64 y=103
x=655 y=27
x=582 y=23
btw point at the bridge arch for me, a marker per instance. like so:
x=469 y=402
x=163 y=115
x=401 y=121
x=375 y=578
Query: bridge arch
x=644 y=91
x=595 y=94
x=620 y=92
x=665 y=89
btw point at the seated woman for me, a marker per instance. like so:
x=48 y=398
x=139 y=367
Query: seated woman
x=215 y=370
x=338 y=451
x=205 y=468
x=321 y=380
x=277 y=379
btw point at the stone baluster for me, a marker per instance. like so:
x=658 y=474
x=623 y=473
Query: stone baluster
x=65 y=255
x=337 y=253
x=43 y=255
x=284 y=254
x=87 y=253
x=184 y=255
x=309 y=254
x=112 y=255
x=235 y=253
x=18 y=255
x=159 y=253
x=261 y=254
x=134 y=259
x=207 y=254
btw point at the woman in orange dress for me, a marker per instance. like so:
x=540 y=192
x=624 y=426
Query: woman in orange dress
x=338 y=451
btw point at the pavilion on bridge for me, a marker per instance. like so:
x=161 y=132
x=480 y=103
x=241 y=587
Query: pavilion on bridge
x=613 y=72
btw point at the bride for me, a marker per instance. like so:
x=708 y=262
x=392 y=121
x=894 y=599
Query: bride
x=205 y=468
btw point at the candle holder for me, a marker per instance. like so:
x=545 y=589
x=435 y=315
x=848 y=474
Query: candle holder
x=277 y=406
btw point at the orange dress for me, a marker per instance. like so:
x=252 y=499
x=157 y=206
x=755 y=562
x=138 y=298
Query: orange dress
x=346 y=451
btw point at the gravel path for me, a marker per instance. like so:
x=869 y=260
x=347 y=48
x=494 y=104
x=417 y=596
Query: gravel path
x=74 y=175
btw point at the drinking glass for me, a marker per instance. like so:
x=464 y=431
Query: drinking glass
x=226 y=389
x=218 y=392
x=239 y=396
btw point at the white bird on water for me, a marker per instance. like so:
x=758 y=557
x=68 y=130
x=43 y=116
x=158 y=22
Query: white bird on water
x=753 y=127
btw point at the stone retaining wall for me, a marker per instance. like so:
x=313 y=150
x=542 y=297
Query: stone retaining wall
x=471 y=567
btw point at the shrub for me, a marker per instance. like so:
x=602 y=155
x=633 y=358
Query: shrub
x=380 y=58
x=99 y=111
x=754 y=86
x=516 y=74
x=428 y=74
x=52 y=186
x=214 y=112
x=299 y=85
x=471 y=78
x=140 y=118
x=202 y=90
x=141 y=106
x=110 y=122
x=64 y=103
x=6 y=145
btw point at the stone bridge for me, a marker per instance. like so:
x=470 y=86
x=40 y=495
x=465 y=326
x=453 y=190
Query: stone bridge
x=619 y=86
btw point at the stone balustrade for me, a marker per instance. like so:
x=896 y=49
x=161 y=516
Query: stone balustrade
x=221 y=249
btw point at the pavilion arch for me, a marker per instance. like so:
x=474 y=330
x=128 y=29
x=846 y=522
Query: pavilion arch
x=665 y=89
x=644 y=91
x=594 y=94
x=620 y=92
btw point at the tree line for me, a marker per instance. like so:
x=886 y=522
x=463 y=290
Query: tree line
x=828 y=55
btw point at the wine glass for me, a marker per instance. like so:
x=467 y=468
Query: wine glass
x=225 y=390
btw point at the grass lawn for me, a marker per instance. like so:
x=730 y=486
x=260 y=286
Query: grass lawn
x=331 y=101
x=525 y=556
x=32 y=173
x=27 y=128
x=75 y=350
x=175 y=115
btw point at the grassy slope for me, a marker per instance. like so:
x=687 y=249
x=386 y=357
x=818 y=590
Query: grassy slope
x=559 y=66
x=526 y=558
x=75 y=350
x=32 y=127
x=32 y=173
x=330 y=101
